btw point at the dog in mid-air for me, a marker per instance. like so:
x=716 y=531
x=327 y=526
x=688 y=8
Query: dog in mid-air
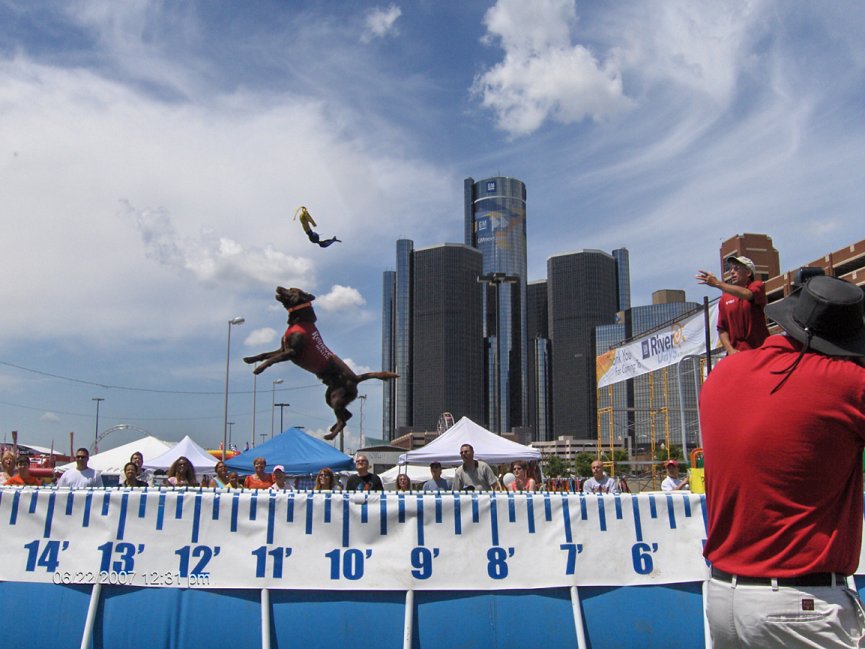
x=302 y=345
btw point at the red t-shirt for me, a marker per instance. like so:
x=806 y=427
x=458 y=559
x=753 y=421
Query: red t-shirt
x=314 y=355
x=784 y=470
x=744 y=320
x=253 y=482
x=18 y=481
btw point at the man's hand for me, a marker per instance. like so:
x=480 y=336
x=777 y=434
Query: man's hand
x=705 y=277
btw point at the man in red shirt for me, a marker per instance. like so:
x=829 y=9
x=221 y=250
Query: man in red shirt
x=782 y=546
x=741 y=323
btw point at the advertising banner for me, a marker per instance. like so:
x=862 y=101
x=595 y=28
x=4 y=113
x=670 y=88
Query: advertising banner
x=659 y=349
x=381 y=541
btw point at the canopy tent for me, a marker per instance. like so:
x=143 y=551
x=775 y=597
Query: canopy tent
x=299 y=453
x=489 y=447
x=417 y=474
x=111 y=462
x=200 y=459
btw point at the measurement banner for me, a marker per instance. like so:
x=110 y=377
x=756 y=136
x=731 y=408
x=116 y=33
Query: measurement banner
x=392 y=541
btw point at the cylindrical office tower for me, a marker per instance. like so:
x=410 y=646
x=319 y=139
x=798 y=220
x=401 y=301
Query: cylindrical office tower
x=495 y=224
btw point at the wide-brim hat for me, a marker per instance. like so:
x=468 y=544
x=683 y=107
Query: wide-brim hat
x=826 y=314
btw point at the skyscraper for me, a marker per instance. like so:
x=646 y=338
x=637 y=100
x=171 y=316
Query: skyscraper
x=388 y=390
x=495 y=224
x=582 y=295
x=539 y=389
x=448 y=335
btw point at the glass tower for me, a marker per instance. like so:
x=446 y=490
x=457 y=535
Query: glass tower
x=388 y=422
x=447 y=350
x=495 y=224
x=402 y=335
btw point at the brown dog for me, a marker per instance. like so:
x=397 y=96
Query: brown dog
x=302 y=344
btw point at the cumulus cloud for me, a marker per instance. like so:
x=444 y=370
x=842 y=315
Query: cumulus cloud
x=356 y=367
x=49 y=418
x=259 y=337
x=543 y=75
x=211 y=257
x=339 y=298
x=380 y=22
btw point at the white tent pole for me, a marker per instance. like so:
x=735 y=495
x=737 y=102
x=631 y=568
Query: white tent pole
x=578 y=618
x=408 y=622
x=265 y=618
x=92 y=609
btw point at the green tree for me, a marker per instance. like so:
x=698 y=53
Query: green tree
x=583 y=463
x=675 y=453
x=556 y=467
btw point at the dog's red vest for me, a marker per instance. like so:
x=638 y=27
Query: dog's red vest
x=314 y=355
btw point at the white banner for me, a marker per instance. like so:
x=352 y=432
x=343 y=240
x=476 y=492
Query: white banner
x=658 y=350
x=392 y=541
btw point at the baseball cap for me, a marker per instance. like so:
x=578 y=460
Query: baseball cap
x=671 y=463
x=279 y=467
x=745 y=261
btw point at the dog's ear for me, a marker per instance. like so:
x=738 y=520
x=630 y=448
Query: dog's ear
x=303 y=296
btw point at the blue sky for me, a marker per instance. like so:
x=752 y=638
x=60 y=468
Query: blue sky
x=152 y=155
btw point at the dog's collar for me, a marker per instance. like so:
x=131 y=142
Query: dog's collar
x=299 y=306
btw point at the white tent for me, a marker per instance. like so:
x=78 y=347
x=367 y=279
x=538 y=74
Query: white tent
x=111 y=462
x=417 y=474
x=489 y=447
x=201 y=459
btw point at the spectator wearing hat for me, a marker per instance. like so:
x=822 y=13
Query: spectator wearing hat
x=279 y=478
x=741 y=322
x=673 y=482
x=780 y=548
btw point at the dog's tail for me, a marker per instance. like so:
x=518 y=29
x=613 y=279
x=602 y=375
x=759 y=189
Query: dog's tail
x=383 y=376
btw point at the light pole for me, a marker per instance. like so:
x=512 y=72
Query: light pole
x=254 y=392
x=273 y=405
x=230 y=428
x=362 y=398
x=234 y=321
x=96 y=436
x=496 y=280
x=281 y=406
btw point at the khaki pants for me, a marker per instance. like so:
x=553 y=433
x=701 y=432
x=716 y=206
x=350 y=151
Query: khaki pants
x=748 y=616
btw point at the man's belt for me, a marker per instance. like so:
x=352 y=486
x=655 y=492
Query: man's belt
x=814 y=579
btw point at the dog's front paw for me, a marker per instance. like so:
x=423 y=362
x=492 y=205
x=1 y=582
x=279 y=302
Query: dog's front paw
x=249 y=360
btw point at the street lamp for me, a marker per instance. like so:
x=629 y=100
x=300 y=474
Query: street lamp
x=362 y=398
x=254 y=394
x=96 y=437
x=281 y=406
x=273 y=404
x=496 y=280
x=234 y=321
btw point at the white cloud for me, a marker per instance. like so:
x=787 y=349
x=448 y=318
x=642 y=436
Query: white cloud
x=259 y=337
x=212 y=258
x=340 y=298
x=49 y=418
x=543 y=75
x=357 y=368
x=380 y=22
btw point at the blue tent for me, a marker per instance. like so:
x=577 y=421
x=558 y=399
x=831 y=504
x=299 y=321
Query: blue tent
x=298 y=452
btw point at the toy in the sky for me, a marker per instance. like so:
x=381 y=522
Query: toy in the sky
x=305 y=221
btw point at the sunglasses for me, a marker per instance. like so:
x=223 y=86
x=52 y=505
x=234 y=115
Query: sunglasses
x=81 y=457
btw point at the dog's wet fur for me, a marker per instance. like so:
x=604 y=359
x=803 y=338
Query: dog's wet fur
x=340 y=379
